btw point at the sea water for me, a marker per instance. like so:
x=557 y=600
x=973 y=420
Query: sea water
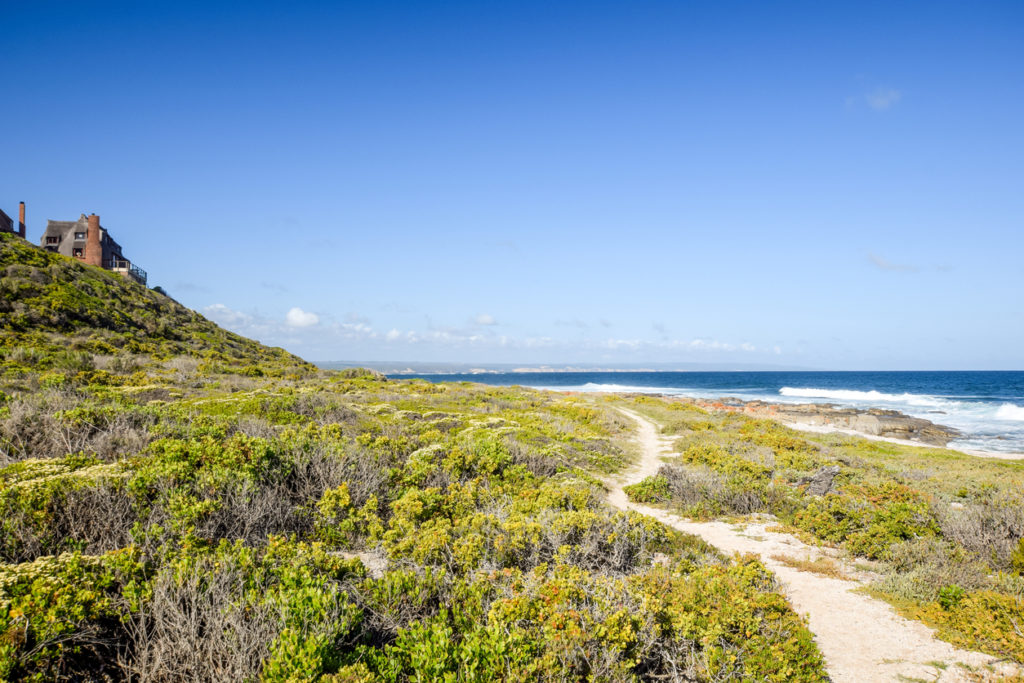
x=986 y=407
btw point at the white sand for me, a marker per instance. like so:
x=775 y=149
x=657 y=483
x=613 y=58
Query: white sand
x=861 y=638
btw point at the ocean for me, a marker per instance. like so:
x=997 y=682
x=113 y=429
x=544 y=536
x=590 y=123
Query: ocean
x=987 y=407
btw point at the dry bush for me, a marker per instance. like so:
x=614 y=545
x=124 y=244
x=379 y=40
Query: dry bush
x=97 y=518
x=238 y=383
x=618 y=543
x=919 y=568
x=123 y=364
x=991 y=529
x=406 y=594
x=252 y=513
x=694 y=485
x=596 y=540
x=218 y=619
x=32 y=429
x=183 y=367
x=324 y=409
x=197 y=628
x=126 y=434
x=316 y=471
x=746 y=502
x=93 y=519
x=21 y=541
x=532 y=458
x=365 y=471
x=251 y=425
x=700 y=488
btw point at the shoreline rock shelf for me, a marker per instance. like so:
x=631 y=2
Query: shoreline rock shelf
x=890 y=424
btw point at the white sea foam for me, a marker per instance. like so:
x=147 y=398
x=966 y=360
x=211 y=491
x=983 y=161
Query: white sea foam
x=617 y=388
x=1010 y=411
x=863 y=396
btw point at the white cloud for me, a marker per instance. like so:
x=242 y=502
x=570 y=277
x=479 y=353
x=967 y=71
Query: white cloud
x=222 y=315
x=297 y=317
x=881 y=99
x=623 y=344
x=485 y=319
x=305 y=331
x=715 y=345
x=709 y=345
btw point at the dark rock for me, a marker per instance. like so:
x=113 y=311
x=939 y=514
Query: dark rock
x=821 y=482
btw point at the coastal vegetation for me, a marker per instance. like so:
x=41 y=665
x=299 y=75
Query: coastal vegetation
x=943 y=530
x=179 y=503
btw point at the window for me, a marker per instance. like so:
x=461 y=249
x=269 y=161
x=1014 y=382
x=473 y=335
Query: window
x=79 y=235
x=77 y=251
x=53 y=240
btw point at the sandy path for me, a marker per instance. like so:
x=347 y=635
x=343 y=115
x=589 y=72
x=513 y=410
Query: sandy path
x=862 y=639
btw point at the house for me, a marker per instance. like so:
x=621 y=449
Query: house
x=7 y=223
x=86 y=240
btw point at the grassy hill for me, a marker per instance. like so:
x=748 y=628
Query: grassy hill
x=58 y=313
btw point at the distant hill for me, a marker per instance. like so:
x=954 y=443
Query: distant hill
x=52 y=306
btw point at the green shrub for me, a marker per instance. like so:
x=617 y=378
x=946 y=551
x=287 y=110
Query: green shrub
x=64 y=615
x=651 y=490
x=868 y=519
x=980 y=620
x=950 y=596
x=1017 y=558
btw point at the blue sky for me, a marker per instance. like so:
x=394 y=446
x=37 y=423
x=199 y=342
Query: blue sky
x=824 y=185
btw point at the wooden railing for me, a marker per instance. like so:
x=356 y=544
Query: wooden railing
x=125 y=266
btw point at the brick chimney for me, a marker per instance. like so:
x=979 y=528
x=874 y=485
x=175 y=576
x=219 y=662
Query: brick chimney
x=93 y=248
x=21 y=220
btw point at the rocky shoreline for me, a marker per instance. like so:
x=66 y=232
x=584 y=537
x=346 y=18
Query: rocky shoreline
x=888 y=424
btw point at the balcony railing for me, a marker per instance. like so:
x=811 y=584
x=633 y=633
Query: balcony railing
x=125 y=266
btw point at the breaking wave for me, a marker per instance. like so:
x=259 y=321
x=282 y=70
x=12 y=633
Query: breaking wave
x=1009 y=411
x=617 y=388
x=863 y=396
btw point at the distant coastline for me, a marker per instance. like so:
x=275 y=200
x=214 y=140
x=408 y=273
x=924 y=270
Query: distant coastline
x=441 y=368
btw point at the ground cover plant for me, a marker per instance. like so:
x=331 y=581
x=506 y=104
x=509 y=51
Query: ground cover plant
x=944 y=529
x=188 y=505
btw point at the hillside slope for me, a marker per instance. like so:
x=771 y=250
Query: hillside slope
x=52 y=306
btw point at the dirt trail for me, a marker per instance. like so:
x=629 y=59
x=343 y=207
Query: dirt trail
x=862 y=638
